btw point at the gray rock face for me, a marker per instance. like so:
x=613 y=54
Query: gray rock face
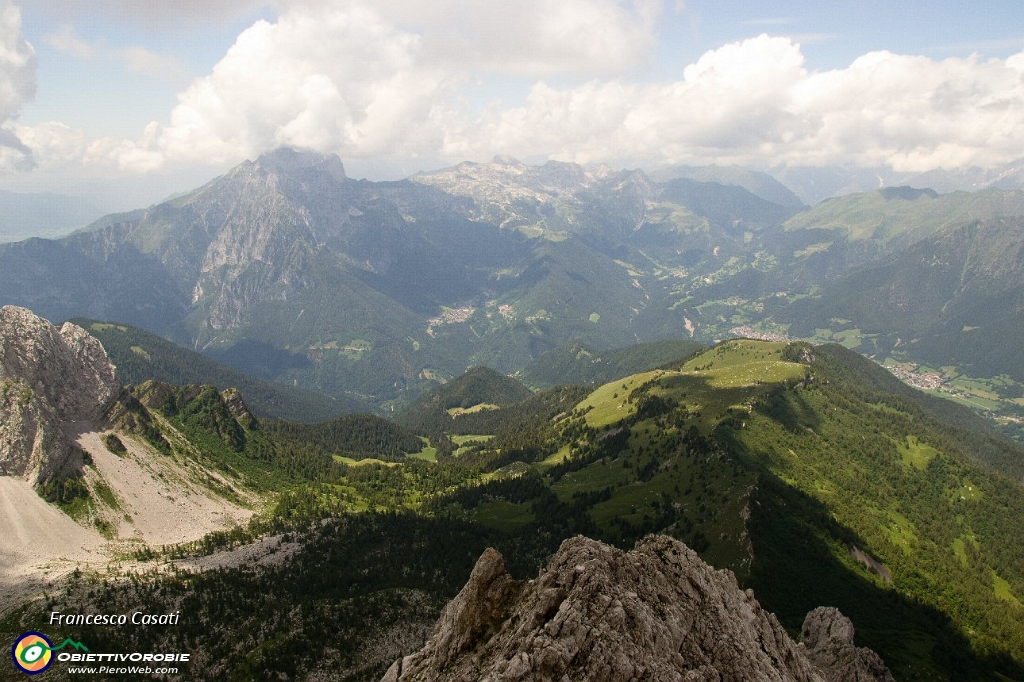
x=827 y=638
x=597 y=613
x=50 y=380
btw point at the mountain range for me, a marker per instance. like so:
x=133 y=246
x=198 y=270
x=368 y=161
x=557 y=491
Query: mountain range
x=288 y=270
x=815 y=184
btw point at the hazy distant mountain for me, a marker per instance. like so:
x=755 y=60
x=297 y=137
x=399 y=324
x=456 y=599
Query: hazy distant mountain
x=953 y=298
x=759 y=184
x=288 y=270
x=42 y=215
x=899 y=216
x=814 y=185
x=1008 y=176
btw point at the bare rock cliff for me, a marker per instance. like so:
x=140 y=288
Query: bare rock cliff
x=827 y=639
x=655 y=613
x=52 y=381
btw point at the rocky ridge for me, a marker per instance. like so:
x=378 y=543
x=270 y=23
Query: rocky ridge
x=656 y=613
x=551 y=199
x=52 y=381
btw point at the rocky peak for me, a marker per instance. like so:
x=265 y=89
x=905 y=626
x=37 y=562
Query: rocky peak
x=569 y=176
x=506 y=160
x=50 y=380
x=506 y=178
x=236 y=406
x=827 y=639
x=288 y=161
x=656 y=613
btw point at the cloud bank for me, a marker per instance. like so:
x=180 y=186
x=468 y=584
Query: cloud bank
x=150 y=11
x=17 y=86
x=392 y=80
x=755 y=103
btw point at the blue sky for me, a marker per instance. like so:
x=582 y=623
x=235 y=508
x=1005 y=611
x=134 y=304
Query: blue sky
x=135 y=100
x=834 y=34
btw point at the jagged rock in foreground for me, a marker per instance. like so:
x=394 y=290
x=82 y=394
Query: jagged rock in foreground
x=827 y=639
x=656 y=613
x=50 y=379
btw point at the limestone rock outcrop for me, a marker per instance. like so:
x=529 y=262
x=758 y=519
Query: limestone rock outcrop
x=655 y=613
x=52 y=381
x=827 y=639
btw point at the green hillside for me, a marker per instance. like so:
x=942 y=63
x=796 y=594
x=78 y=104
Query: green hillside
x=140 y=355
x=577 y=363
x=814 y=475
x=903 y=214
x=356 y=436
x=479 y=389
x=952 y=299
x=807 y=470
x=906 y=489
x=217 y=429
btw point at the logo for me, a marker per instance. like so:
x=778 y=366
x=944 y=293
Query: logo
x=33 y=652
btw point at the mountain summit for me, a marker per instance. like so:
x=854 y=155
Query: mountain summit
x=289 y=161
x=656 y=613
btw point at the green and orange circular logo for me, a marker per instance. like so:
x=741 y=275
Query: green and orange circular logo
x=32 y=653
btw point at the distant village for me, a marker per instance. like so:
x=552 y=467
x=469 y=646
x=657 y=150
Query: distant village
x=928 y=381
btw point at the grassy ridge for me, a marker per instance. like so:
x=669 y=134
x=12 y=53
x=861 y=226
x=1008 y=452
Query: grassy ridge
x=795 y=466
x=577 y=363
x=811 y=446
x=907 y=489
x=904 y=214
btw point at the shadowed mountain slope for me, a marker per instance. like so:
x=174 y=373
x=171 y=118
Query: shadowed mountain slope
x=141 y=355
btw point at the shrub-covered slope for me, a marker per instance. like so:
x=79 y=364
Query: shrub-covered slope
x=803 y=469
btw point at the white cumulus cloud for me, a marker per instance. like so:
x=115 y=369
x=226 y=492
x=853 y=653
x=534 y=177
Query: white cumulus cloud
x=534 y=38
x=342 y=80
x=17 y=85
x=914 y=113
x=369 y=81
x=754 y=102
x=389 y=80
